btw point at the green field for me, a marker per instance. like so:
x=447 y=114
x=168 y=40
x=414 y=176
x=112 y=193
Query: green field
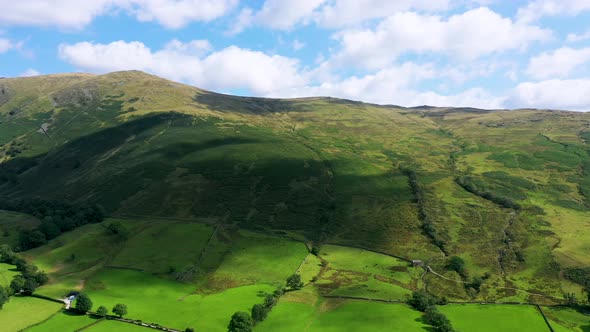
x=114 y=326
x=490 y=317
x=64 y=321
x=361 y=273
x=21 y=312
x=568 y=319
x=7 y=273
x=300 y=312
x=170 y=303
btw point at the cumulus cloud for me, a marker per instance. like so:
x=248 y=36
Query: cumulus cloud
x=75 y=14
x=5 y=45
x=396 y=84
x=552 y=94
x=29 y=72
x=542 y=8
x=559 y=63
x=572 y=37
x=229 y=68
x=469 y=35
x=341 y=13
x=277 y=14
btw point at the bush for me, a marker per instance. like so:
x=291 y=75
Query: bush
x=421 y=300
x=240 y=322
x=259 y=312
x=294 y=282
x=438 y=320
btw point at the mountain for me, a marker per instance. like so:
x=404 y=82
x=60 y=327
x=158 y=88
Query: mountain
x=506 y=190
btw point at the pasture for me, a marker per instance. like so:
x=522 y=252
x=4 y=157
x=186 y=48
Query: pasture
x=492 y=318
x=21 y=312
x=7 y=272
x=304 y=311
x=171 y=303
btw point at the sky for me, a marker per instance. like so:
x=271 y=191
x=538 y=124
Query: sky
x=477 y=53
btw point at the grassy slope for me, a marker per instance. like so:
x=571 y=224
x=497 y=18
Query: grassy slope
x=7 y=273
x=326 y=168
x=11 y=223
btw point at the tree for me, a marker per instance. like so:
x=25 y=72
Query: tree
x=570 y=299
x=120 y=310
x=240 y=322
x=421 y=300
x=457 y=264
x=259 y=312
x=102 y=311
x=83 y=303
x=4 y=296
x=30 y=286
x=17 y=284
x=269 y=301
x=189 y=329
x=438 y=320
x=294 y=281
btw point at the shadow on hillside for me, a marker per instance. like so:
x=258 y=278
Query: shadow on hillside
x=248 y=105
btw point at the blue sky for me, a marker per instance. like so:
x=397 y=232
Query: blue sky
x=480 y=53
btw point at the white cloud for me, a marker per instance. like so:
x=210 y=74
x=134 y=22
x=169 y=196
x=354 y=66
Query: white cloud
x=552 y=94
x=340 y=13
x=396 y=84
x=29 y=72
x=75 y=14
x=229 y=68
x=178 y=13
x=537 y=9
x=572 y=37
x=467 y=36
x=277 y=14
x=297 y=45
x=5 y=45
x=558 y=63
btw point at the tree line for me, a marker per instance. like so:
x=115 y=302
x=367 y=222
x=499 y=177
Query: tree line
x=244 y=322
x=466 y=183
x=427 y=222
x=56 y=218
x=26 y=282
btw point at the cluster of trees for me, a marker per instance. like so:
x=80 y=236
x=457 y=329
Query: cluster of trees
x=56 y=218
x=426 y=303
x=427 y=222
x=244 y=322
x=467 y=184
x=457 y=264
x=84 y=304
x=24 y=283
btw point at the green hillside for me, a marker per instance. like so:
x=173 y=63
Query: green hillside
x=507 y=191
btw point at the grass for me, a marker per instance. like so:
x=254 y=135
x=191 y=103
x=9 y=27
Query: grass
x=151 y=249
x=568 y=319
x=362 y=273
x=477 y=317
x=169 y=303
x=7 y=273
x=63 y=321
x=256 y=258
x=21 y=312
x=304 y=312
x=10 y=224
x=115 y=326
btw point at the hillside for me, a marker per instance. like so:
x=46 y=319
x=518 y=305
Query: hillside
x=508 y=191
